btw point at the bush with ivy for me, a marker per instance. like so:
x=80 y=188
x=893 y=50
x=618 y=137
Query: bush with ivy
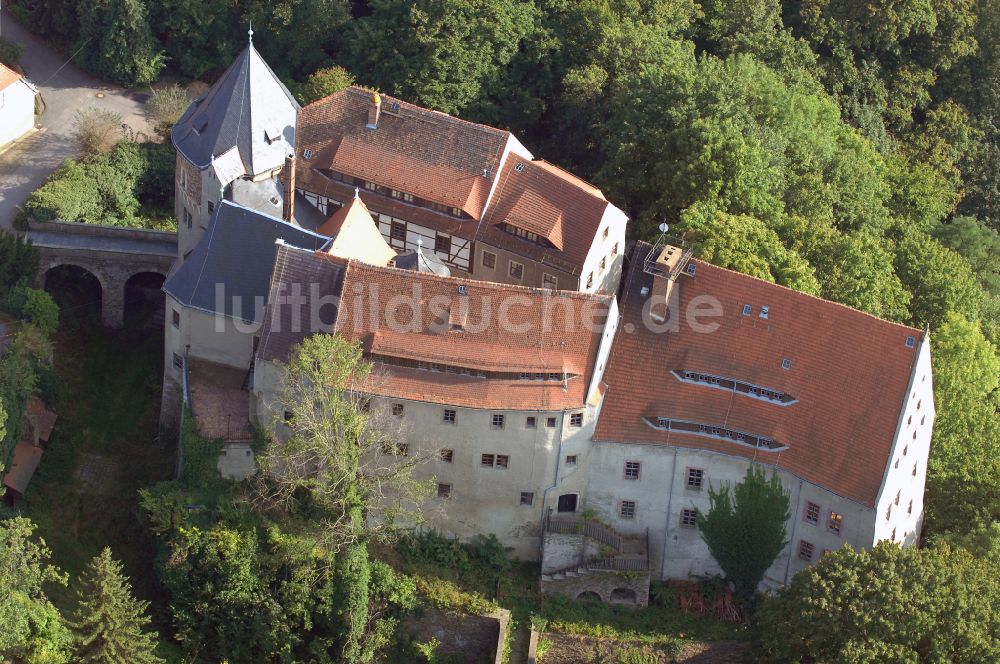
x=130 y=186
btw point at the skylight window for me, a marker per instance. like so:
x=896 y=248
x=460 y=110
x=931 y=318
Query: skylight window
x=764 y=311
x=786 y=363
x=307 y=153
x=747 y=309
x=910 y=342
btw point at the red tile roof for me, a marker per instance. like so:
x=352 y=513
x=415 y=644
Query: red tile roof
x=545 y=333
x=26 y=458
x=8 y=76
x=43 y=419
x=849 y=373
x=547 y=201
x=426 y=153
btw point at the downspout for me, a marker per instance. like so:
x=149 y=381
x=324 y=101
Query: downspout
x=545 y=494
x=666 y=526
x=791 y=540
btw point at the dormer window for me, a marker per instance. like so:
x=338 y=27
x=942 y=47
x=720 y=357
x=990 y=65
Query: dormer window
x=271 y=135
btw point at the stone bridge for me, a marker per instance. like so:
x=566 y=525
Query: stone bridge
x=113 y=255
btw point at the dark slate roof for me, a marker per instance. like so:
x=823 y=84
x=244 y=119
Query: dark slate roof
x=421 y=261
x=237 y=251
x=244 y=104
x=316 y=276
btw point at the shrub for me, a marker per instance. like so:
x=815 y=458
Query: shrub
x=165 y=107
x=35 y=306
x=10 y=52
x=97 y=131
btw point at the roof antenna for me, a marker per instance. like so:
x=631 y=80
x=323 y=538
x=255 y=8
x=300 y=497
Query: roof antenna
x=250 y=32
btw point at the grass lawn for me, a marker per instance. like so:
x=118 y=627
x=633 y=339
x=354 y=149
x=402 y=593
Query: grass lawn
x=84 y=495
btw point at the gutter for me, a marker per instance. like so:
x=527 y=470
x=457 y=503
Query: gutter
x=545 y=494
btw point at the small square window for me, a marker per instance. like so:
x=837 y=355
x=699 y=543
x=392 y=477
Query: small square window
x=689 y=518
x=503 y=461
x=604 y=236
x=444 y=490
x=695 y=478
x=806 y=550
x=747 y=309
x=442 y=244
x=211 y=207
x=497 y=421
x=614 y=250
x=603 y=264
x=516 y=270
x=764 y=311
x=910 y=342
x=786 y=363
x=447 y=455
x=307 y=153
x=528 y=498
x=576 y=420
x=550 y=422
x=397 y=409
x=449 y=416
x=632 y=470
x=530 y=422
x=812 y=513
x=549 y=282
x=835 y=523
x=909 y=509
x=489 y=260
x=397 y=231
x=898 y=493
x=914 y=470
x=627 y=509
x=590 y=280
x=570 y=459
x=487 y=460
x=178 y=361
x=176 y=318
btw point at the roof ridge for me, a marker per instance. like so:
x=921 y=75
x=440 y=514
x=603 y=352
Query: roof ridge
x=356 y=89
x=574 y=176
x=493 y=285
x=799 y=293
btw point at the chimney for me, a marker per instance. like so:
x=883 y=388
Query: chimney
x=374 y=110
x=288 y=181
x=665 y=268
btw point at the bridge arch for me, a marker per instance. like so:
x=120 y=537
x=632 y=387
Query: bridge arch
x=115 y=256
x=143 y=295
x=76 y=288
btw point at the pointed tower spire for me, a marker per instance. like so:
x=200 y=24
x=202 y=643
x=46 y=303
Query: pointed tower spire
x=250 y=32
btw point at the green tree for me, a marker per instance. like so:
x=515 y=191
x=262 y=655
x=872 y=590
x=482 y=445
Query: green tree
x=963 y=474
x=744 y=528
x=884 y=605
x=109 y=622
x=337 y=453
x=437 y=53
x=33 y=631
x=940 y=280
x=323 y=82
x=116 y=42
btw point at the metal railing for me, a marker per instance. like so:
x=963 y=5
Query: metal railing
x=620 y=564
x=575 y=525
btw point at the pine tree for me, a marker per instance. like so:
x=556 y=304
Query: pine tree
x=109 y=622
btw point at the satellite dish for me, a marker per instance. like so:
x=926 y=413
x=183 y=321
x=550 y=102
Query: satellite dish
x=664 y=228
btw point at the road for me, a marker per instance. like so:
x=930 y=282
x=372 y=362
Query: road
x=65 y=90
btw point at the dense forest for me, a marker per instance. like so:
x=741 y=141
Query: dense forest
x=845 y=148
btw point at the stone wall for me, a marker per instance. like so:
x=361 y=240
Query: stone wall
x=627 y=588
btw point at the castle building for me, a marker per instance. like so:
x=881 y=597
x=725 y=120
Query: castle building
x=482 y=284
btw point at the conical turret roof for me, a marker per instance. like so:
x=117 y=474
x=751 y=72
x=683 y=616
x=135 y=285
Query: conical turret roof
x=248 y=108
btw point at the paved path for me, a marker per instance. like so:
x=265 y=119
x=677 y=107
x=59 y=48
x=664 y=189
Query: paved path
x=155 y=246
x=24 y=166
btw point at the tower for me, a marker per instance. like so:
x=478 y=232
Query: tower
x=232 y=143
